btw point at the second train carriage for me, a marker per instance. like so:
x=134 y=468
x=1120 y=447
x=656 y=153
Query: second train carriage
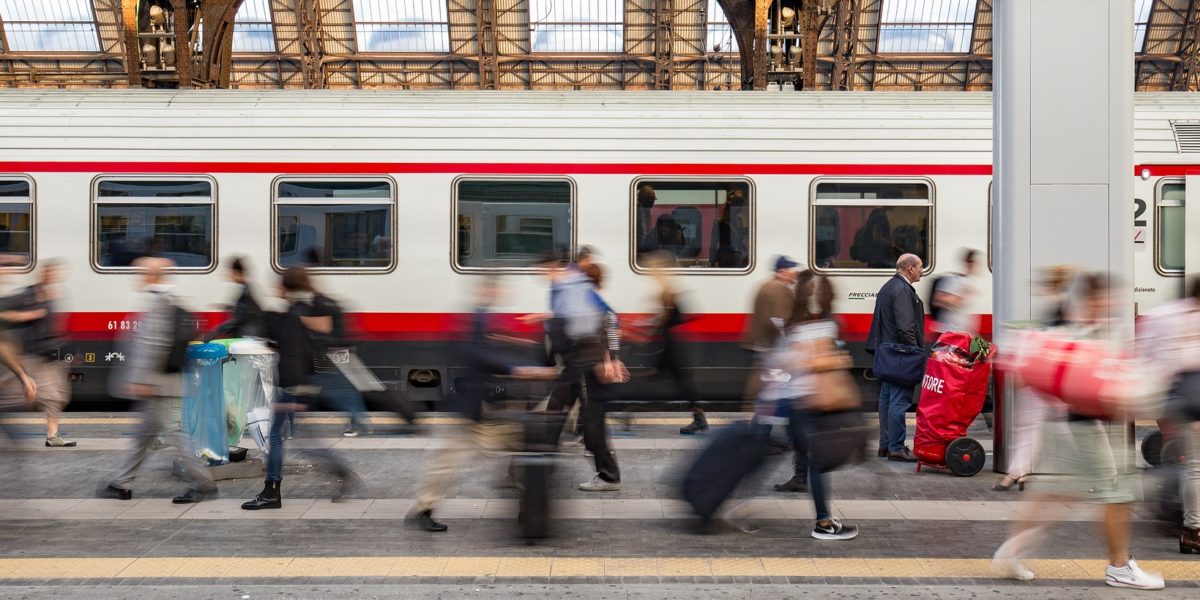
x=404 y=198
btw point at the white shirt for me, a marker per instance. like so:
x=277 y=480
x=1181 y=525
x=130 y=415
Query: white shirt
x=960 y=319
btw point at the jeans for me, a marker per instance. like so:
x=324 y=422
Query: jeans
x=800 y=427
x=894 y=402
x=279 y=420
x=337 y=393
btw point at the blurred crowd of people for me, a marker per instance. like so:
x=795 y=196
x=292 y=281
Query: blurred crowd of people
x=792 y=338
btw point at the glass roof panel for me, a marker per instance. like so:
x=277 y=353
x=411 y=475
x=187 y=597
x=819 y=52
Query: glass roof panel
x=926 y=26
x=49 y=25
x=577 y=25
x=1141 y=20
x=401 y=26
x=253 y=30
x=720 y=32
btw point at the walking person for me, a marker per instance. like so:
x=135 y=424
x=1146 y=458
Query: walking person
x=1170 y=338
x=247 y=317
x=295 y=336
x=672 y=358
x=899 y=319
x=952 y=298
x=773 y=304
x=810 y=336
x=150 y=376
x=37 y=334
x=1095 y=462
x=485 y=434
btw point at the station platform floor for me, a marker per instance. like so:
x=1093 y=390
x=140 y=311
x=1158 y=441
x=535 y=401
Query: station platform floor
x=927 y=535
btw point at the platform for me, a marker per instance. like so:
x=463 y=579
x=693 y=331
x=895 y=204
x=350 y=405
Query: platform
x=923 y=535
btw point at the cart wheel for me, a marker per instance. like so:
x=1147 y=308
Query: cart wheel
x=965 y=457
x=1152 y=448
x=1173 y=452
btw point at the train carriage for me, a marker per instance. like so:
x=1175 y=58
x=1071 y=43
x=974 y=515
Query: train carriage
x=403 y=199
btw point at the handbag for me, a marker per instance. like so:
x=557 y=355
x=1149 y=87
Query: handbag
x=899 y=364
x=835 y=389
x=835 y=438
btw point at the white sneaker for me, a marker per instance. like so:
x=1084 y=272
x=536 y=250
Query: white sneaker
x=1006 y=564
x=599 y=485
x=1131 y=576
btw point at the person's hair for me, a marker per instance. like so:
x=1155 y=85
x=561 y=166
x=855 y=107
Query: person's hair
x=596 y=273
x=585 y=252
x=906 y=261
x=969 y=255
x=1092 y=284
x=802 y=298
x=296 y=279
x=238 y=265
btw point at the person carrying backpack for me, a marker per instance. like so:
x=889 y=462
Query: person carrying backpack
x=950 y=298
x=150 y=375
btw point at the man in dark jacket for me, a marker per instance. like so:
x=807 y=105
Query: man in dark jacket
x=247 y=317
x=899 y=319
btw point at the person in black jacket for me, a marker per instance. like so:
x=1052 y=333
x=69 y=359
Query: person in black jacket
x=899 y=319
x=293 y=333
x=247 y=317
x=484 y=361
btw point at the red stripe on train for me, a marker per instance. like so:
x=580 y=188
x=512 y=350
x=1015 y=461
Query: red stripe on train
x=712 y=327
x=489 y=168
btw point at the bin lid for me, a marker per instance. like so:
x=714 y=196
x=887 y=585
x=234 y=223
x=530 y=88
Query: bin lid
x=209 y=351
x=227 y=342
x=248 y=347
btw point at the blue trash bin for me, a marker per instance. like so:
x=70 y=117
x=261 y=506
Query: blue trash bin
x=204 y=419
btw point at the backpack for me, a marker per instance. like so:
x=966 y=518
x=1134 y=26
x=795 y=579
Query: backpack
x=862 y=237
x=935 y=311
x=183 y=329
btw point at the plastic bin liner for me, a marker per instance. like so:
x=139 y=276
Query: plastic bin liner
x=203 y=404
x=253 y=390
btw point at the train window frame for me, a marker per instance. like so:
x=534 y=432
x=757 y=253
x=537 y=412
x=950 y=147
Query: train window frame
x=392 y=200
x=573 y=230
x=814 y=204
x=31 y=199
x=751 y=200
x=97 y=201
x=1159 y=204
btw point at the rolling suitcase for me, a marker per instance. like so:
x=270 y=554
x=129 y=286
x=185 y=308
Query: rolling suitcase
x=735 y=452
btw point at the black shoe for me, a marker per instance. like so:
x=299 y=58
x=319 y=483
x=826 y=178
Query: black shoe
x=425 y=521
x=268 y=498
x=112 y=491
x=194 y=496
x=699 y=424
x=882 y=452
x=795 y=484
x=902 y=455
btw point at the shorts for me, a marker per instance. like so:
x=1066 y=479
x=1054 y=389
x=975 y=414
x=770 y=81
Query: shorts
x=1092 y=462
x=53 y=392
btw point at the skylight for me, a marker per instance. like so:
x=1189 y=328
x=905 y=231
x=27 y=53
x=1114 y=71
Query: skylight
x=252 y=27
x=926 y=26
x=720 y=32
x=49 y=25
x=1141 y=21
x=401 y=26
x=577 y=25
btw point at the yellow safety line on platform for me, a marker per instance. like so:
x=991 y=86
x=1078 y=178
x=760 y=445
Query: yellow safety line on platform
x=315 y=420
x=502 y=567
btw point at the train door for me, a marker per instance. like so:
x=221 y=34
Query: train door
x=1191 y=221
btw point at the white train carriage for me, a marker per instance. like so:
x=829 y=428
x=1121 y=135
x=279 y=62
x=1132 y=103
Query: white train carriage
x=403 y=198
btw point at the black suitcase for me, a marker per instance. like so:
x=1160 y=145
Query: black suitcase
x=735 y=452
x=536 y=463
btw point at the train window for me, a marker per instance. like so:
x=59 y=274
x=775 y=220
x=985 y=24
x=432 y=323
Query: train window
x=16 y=223
x=511 y=223
x=335 y=224
x=694 y=224
x=862 y=225
x=143 y=217
x=1169 y=243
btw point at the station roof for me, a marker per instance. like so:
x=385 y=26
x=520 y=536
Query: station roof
x=920 y=45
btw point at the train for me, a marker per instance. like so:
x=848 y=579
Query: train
x=403 y=200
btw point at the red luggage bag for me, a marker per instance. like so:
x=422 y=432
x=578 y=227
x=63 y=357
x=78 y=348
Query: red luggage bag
x=953 y=391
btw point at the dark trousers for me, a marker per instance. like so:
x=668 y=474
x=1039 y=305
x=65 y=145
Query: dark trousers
x=800 y=427
x=670 y=364
x=279 y=418
x=595 y=427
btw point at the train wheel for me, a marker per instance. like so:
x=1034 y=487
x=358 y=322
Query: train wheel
x=965 y=457
x=1152 y=447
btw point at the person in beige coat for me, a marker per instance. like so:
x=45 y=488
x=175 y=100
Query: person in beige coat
x=772 y=307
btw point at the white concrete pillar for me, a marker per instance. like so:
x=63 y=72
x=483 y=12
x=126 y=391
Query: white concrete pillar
x=1063 y=137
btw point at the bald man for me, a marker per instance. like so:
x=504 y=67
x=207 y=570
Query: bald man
x=143 y=378
x=899 y=319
